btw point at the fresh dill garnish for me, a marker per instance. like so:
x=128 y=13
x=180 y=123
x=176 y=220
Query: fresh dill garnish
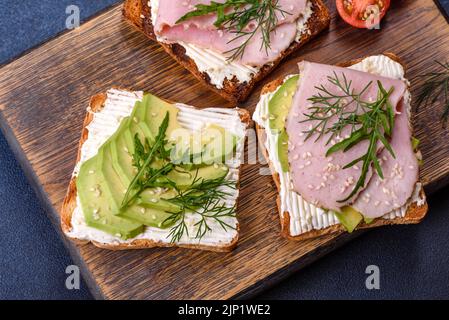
x=236 y=15
x=370 y=121
x=142 y=160
x=205 y=198
x=436 y=84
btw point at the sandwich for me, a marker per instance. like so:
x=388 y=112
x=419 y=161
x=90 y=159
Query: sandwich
x=228 y=46
x=154 y=173
x=340 y=146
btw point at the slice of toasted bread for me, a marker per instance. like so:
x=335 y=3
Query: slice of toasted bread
x=414 y=214
x=70 y=202
x=138 y=13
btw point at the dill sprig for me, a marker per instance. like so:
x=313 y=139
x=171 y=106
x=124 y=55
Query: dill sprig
x=436 y=84
x=146 y=175
x=369 y=121
x=235 y=15
x=205 y=198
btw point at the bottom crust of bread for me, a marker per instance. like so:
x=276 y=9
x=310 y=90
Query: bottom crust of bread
x=414 y=214
x=69 y=203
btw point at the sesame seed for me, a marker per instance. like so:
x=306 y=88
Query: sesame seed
x=154 y=200
x=308 y=163
x=301 y=166
x=310 y=186
x=295 y=157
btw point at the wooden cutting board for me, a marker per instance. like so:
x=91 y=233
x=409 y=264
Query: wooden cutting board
x=44 y=94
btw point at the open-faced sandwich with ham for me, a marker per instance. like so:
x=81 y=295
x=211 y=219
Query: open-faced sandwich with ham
x=155 y=173
x=341 y=148
x=229 y=45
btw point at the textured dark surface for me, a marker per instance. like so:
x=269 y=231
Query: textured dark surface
x=413 y=260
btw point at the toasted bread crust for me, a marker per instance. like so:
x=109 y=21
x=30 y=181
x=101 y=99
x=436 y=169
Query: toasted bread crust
x=69 y=203
x=414 y=214
x=233 y=90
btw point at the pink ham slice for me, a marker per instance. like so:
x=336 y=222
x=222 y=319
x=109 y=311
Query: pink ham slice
x=200 y=31
x=254 y=55
x=319 y=179
x=400 y=174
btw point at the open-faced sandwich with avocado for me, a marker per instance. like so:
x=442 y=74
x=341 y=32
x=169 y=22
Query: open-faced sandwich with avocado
x=154 y=173
x=341 y=148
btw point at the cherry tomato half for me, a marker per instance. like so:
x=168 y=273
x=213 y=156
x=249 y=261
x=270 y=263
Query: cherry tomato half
x=363 y=13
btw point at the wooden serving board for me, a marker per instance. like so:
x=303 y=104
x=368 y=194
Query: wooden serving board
x=44 y=94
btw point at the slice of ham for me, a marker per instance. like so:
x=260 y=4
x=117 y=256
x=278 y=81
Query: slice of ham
x=400 y=174
x=200 y=31
x=322 y=180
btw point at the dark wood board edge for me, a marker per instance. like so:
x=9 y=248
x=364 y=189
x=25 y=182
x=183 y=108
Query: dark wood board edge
x=51 y=212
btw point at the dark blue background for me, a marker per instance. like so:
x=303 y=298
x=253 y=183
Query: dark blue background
x=413 y=260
